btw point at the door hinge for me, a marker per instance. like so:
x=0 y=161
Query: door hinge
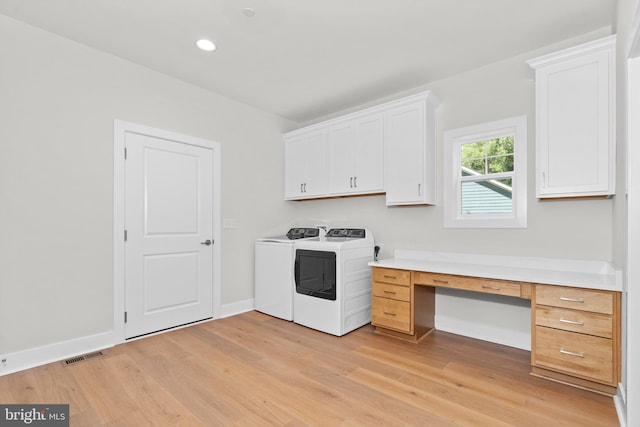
x=125 y=235
x=125 y=317
x=125 y=153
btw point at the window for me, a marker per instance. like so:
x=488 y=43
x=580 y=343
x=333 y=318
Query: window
x=485 y=175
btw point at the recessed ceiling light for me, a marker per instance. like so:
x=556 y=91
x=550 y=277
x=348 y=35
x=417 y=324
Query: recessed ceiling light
x=206 y=45
x=249 y=12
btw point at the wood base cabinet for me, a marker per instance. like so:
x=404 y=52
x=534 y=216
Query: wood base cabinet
x=399 y=308
x=575 y=332
x=576 y=336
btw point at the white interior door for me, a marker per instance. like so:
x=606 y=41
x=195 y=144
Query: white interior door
x=169 y=233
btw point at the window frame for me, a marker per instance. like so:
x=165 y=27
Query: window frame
x=453 y=179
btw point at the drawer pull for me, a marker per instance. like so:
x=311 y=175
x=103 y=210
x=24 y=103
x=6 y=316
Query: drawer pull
x=389 y=292
x=390 y=277
x=572 y=322
x=572 y=299
x=440 y=281
x=494 y=288
x=571 y=353
x=389 y=314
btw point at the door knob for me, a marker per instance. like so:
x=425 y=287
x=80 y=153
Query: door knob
x=207 y=242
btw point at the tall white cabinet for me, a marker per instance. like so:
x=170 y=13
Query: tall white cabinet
x=575 y=121
x=410 y=150
x=389 y=148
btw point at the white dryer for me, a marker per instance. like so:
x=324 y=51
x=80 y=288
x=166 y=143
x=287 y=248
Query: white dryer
x=333 y=281
x=273 y=274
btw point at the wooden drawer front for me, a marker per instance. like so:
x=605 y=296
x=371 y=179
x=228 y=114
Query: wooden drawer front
x=385 y=290
x=391 y=314
x=578 y=354
x=500 y=287
x=390 y=275
x=576 y=321
x=579 y=299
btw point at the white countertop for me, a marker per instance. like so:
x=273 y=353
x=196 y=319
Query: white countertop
x=553 y=271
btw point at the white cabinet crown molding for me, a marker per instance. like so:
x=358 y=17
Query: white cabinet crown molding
x=573 y=52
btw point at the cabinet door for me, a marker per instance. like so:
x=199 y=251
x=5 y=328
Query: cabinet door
x=405 y=152
x=293 y=167
x=575 y=126
x=355 y=153
x=368 y=154
x=305 y=160
x=340 y=150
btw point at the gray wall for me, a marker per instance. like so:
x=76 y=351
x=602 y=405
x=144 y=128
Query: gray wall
x=58 y=101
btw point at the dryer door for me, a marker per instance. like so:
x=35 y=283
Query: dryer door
x=315 y=273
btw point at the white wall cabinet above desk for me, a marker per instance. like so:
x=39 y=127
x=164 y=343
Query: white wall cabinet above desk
x=389 y=148
x=305 y=159
x=575 y=121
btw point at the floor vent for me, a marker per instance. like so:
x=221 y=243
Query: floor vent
x=81 y=358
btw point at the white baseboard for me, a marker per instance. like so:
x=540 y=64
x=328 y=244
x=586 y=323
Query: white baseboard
x=30 y=358
x=488 y=333
x=620 y=401
x=232 y=309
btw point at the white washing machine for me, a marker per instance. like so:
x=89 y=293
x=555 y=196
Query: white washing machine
x=333 y=281
x=273 y=276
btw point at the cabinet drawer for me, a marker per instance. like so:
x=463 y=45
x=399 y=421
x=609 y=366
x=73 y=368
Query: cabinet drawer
x=578 y=299
x=477 y=284
x=575 y=320
x=577 y=354
x=390 y=275
x=386 y=290
x=391 y=314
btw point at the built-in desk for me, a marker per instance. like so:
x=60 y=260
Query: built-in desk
x=575 y=307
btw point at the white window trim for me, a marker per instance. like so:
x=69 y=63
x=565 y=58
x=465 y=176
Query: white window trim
x=453 y=139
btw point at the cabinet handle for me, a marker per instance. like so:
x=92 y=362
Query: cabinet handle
x=389 y=277
x=572 y=322
x=493 y=288
x=301 y=190
x=580 y=300
x=389 y=314
x=305 y=187
x=440 y=281
x=389 y=292
x=544 y=180
x=419 y=189
x=355 y=181
x=571 y=353
x=350 y=182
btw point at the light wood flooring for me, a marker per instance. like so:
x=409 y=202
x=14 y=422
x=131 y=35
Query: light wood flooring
x=256 y=370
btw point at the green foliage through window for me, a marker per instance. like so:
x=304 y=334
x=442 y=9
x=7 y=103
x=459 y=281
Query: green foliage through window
x=488 y=157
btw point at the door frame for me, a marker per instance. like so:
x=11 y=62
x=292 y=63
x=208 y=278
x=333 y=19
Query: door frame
x=120 y=129
x=631 y=388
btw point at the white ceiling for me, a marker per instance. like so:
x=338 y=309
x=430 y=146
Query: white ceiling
x=304 y=59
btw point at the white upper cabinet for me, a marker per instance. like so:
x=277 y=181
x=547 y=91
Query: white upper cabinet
x=575 y=121
x=355 y=155
x=305 y=165
x=389 y=148
x=409 y=162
